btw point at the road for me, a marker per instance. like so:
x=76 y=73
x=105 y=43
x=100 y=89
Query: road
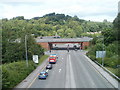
x=72 y=70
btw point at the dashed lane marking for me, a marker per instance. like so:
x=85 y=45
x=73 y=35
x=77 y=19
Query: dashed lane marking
x=59 y=70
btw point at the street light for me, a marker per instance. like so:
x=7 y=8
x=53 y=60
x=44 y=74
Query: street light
x=26 y=50
x=103 y=53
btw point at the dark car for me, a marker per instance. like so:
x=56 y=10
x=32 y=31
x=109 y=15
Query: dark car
x=75 y=47
x=43 y=75
x=49 y=66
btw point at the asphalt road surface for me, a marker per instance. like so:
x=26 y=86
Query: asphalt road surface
x=72 y=70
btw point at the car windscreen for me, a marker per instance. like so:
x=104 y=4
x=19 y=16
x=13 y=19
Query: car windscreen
x=52 y=57
x=42 y=73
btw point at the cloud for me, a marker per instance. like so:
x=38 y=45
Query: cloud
x=87 y=9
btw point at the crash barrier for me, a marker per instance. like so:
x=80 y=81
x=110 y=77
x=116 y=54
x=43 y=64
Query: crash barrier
x=113 y=75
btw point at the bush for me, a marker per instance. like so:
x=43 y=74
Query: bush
x=107 y=61
x=15 y=72
x=99 y=60
x=92 y=57
x=111 y=62
x=112 y=48
x=86 y=47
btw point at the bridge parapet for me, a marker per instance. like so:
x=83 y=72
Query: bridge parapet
x=84 y=39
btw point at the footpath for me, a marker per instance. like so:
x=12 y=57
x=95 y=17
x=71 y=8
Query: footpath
x=31 y=77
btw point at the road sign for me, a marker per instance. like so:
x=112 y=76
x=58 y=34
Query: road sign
x=100 y=54
x=35 y=58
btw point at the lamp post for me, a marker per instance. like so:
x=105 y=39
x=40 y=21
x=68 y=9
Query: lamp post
x=26 y=50
x=103 y=53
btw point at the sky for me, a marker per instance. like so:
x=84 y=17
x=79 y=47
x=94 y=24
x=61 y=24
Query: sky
x=94 y=10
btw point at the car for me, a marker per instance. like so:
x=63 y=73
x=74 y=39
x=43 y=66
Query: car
x=43 y=75
x=54 y=55
x=52 y=60
x=49 y=66
x=75 y=49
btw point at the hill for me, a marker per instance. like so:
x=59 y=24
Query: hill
x=50 y=24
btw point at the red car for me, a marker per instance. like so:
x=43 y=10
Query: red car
x=52 y=60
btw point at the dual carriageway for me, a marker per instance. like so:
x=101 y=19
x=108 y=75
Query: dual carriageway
x=72 y=70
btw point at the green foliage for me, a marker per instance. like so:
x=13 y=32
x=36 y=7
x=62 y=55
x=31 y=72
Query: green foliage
x=92 y=57
x=42 y=58
x=109 y=36
x=13 y=41
x=14 y=51
x=86 y=47
x=19 y=18
x=51 y=23
x=15 y=72
x=111 y=62
x=99 y=47
x=14 y=31
x=114 y=70
x=112 y=47
x=116 y=24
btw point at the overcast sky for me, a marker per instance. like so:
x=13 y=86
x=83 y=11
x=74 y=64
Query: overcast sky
x=94 y=10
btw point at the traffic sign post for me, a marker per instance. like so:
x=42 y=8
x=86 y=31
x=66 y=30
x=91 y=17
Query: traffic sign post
x=101 y=54
x=35 y=58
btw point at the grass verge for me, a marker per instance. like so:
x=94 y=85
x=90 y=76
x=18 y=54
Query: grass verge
x=113 y=70
x=13 y=73
x=42 y=59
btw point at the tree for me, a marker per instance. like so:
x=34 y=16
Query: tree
x=19 y=18
x=108 y=36
x=116 y=24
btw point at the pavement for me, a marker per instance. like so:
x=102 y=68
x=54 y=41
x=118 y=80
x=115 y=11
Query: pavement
x=31 y=77
x=106 y=75
x=72 y=70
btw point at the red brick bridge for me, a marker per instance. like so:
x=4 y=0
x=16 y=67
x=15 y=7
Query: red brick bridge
x=47 y=43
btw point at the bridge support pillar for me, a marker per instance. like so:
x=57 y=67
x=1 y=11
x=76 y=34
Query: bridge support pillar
x=50 y=46
x=85 y=44
x=45 y=45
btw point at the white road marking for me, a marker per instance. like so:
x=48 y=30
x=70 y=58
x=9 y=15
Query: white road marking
x=73 y=85
x=47 y=70
x=59 y=70
x=70 y=80
x=67 y=82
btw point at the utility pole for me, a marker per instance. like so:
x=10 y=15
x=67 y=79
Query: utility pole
x=26 y=50
x=103 y=53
